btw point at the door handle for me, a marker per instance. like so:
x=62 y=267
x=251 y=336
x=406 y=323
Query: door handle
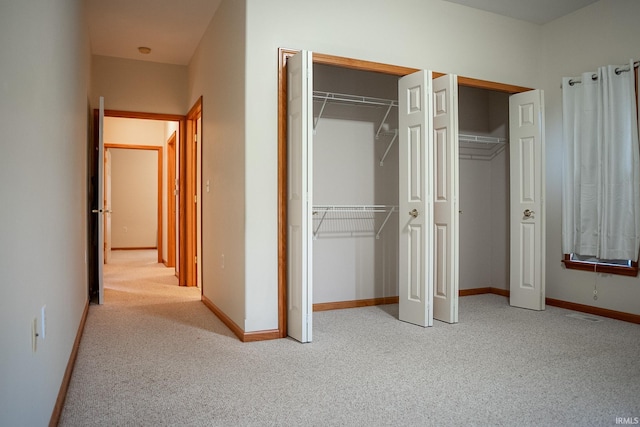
x=414 y=213
x=528 y=213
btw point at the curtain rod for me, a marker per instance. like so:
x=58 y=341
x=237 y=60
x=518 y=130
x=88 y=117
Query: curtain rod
x=618 y=70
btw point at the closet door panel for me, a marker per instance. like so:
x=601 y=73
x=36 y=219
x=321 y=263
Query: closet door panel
x=446 y=189
x=526 y=149
x=300 y=153
x=415 y=199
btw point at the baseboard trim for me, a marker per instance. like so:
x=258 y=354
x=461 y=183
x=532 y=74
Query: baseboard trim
x=243 y=336
x=475 y=291
x=339 y=305
x=66 y=379
x=603 y=312
x=597 y=311
x=501 y=292
x=271 y=334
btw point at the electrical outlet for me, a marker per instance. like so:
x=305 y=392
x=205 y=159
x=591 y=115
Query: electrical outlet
x=43 y=322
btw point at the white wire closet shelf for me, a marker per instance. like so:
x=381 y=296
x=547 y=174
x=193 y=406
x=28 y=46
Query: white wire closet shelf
x=346 y=99
x=351 y=220
x=480 y=147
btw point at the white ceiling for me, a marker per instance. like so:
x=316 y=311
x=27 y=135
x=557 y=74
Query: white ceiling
x=173 y=28
x=535 y=11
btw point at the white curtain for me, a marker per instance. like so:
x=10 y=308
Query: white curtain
x=601 y=175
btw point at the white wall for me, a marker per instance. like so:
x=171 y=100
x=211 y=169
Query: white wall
x=134 y=198
x=475 y=228
x=44 y=114
x=139 y=86
x=119 y=130
x=346 y=172
x=217 y=73
x=603 y=33
x=484 y=192
x=428 y=34
x=127 y=131
x=500 y=244
x=420 y=34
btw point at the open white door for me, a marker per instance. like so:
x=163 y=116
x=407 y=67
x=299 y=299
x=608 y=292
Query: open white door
x=300 y=162
x=107 y=207
x=100 y=210
x=415 y=199
x=526 y=146
x=445 y=198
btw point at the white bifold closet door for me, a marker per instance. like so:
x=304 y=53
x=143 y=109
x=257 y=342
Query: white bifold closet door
x=526 y=147
x=299 y=196
x=428 y=198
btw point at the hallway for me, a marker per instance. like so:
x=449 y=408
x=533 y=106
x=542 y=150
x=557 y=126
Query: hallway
x=139 y=348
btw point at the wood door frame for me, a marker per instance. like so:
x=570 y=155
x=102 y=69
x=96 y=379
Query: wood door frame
x=181 y=143
x=188 y=273
x=159 y=150
x=171 y=201
x=343 y=62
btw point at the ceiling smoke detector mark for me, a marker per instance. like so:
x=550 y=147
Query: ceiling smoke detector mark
x=580 y=316
x=144 y=50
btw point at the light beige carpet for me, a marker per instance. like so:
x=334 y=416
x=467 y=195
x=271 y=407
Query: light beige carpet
x=153 y=355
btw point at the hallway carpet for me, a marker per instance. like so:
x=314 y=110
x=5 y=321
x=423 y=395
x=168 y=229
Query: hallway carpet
x=154 y=355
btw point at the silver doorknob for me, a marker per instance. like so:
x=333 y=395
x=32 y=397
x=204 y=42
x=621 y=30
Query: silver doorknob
x=414 y=213
x=528 y=213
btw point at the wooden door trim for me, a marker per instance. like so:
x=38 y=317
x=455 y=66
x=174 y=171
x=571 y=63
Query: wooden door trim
x=145 y=116
x=171 y=203
x=159 y=150
x=181 y=144
x=188 y=172
x=319 y=58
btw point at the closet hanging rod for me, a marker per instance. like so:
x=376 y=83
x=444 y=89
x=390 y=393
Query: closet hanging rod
x=353 y=99
x=594 y=76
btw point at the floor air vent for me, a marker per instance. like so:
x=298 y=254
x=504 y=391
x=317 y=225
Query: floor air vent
x=581 y=316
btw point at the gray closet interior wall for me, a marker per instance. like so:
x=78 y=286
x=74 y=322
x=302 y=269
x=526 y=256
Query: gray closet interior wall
x=484 y=189
x=349 y=262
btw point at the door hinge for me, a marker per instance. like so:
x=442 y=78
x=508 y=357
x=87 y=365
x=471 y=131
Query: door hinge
x=195 y=259
x=195 y=199
x=195 y=138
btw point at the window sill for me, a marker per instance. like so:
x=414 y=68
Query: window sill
x=600 y=268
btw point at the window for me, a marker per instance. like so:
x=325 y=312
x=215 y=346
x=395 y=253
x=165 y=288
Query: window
x=601 y=171
x=624 y=267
